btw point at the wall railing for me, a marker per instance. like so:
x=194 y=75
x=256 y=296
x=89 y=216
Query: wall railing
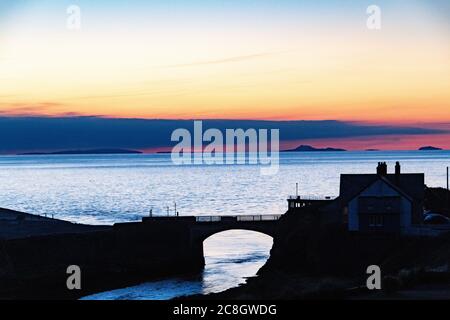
x=243 y=218
x=312 y=197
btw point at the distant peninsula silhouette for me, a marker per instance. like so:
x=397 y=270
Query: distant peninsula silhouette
x=306 y=148
x=429 y=148
x=90 y=151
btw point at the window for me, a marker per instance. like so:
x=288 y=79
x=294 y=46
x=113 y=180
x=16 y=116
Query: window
x=376 y=221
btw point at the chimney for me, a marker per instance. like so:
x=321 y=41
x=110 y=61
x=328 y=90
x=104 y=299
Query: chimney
x=397 y=168
x=382 y=169
x=397 y=173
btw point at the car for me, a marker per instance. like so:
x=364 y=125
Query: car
x=435 y=218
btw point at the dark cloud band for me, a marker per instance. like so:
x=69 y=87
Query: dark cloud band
x=25 y=134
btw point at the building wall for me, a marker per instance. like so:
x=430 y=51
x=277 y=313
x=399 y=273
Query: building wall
x=390 y=222
x=353 y=216
x=406 y=218
x=379 y=189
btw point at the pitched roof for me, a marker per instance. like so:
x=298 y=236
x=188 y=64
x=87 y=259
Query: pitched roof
x=410 y=184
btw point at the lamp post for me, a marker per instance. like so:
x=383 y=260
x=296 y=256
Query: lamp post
x=447 y=180
x=448 y=197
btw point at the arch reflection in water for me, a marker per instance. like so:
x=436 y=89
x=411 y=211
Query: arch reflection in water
x=230 y=258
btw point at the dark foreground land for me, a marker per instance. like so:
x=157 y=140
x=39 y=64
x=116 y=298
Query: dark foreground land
x=35 y=253
x=309 y=260
x=312 y=261
x=332 y=265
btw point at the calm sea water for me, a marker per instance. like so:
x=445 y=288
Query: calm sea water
x=104 y=189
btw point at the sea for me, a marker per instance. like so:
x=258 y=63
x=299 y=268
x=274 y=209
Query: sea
x=106 y=189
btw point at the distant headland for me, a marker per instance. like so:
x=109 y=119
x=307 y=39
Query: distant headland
x=90 y=151
x=429 y=148
x=306 y=148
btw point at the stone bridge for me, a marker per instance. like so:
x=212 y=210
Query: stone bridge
x=202 y=227
x=184 y=236
x=205 y=227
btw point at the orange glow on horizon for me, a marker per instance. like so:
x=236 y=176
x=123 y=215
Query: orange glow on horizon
x=307 y=69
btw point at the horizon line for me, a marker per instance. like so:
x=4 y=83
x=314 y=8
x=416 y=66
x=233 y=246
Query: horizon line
x=162 y=152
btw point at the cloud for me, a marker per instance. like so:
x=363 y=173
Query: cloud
x=25 y=134
x=20 y=109
x=44 y=109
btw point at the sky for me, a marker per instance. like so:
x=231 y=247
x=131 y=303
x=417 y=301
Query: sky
x=266 y=60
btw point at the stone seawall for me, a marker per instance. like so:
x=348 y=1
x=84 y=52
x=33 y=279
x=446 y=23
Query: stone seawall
x=123 y=255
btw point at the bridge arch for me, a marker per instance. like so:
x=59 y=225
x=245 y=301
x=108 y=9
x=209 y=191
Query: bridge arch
x=248 y=230
x=200 y=232
x=232 y=256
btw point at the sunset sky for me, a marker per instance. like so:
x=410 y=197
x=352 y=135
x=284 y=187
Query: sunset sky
x=274 y=60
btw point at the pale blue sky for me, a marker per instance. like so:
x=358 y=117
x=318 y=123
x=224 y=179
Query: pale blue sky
x=272 y=59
